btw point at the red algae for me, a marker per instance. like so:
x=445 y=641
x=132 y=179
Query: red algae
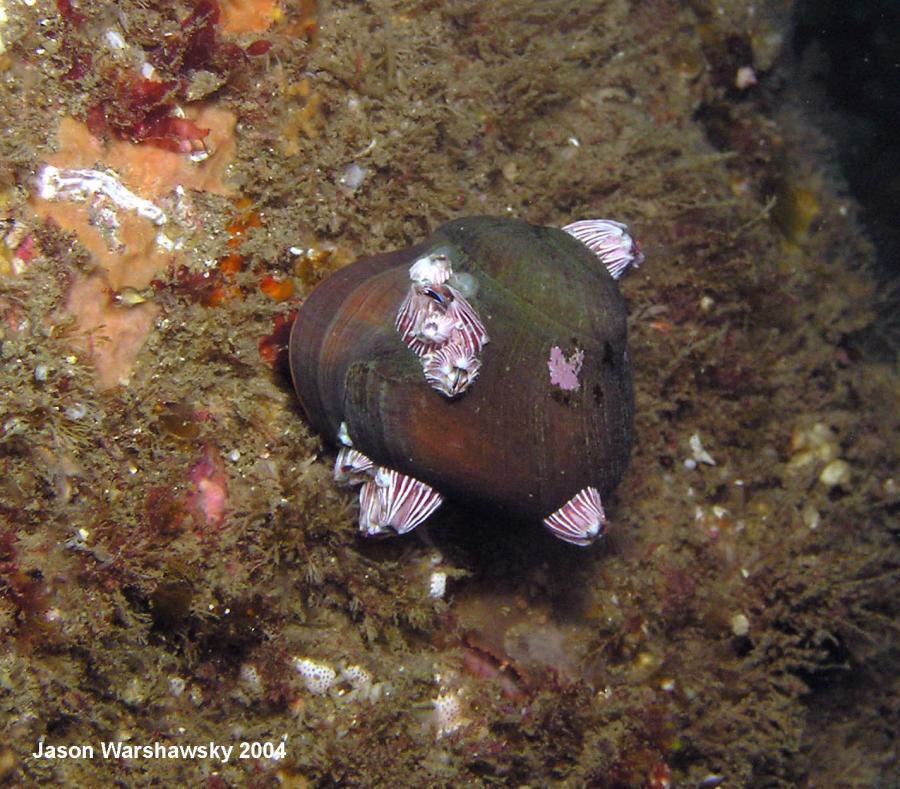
x=273 y=347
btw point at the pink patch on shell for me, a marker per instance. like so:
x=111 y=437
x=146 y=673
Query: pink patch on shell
x=564 y=372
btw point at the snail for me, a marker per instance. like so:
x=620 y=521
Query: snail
x=487 y=363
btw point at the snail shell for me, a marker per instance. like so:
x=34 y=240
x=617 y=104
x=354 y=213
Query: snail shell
x=550 y=415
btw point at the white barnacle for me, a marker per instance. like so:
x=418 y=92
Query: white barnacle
x=432 y=269
x=465 y=283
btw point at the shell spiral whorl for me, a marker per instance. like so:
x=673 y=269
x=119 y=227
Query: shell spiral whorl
x=488 y=363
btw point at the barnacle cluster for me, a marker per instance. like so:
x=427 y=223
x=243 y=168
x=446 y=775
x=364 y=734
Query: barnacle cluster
x=438 y=325
x=388 y=500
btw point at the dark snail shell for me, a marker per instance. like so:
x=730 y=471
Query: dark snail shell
x=515 y=441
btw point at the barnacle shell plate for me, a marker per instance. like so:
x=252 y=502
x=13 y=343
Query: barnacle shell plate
x=514 y=441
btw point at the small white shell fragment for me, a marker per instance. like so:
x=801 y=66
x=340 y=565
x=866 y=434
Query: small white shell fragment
x=437 y=585
x=76 y=411
x=318 y=677
x=745 y=78
x=817 y=444
x=352 y=177
x=114 y=40
x=700 y=455
x=81 y=185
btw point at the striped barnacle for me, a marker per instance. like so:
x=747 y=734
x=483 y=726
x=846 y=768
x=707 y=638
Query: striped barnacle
x=388 y=499
x=610 y=241
x=352 y=467
x=451 y=369
x=580 y=520
x=394 y=501
x=436 y=329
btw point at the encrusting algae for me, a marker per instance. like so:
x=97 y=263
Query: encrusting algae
x=177 y=567
x=129 y=248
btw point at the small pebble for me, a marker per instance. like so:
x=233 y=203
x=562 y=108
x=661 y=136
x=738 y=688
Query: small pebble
x=811 y=517
x=837 y=472
x=740 y=625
